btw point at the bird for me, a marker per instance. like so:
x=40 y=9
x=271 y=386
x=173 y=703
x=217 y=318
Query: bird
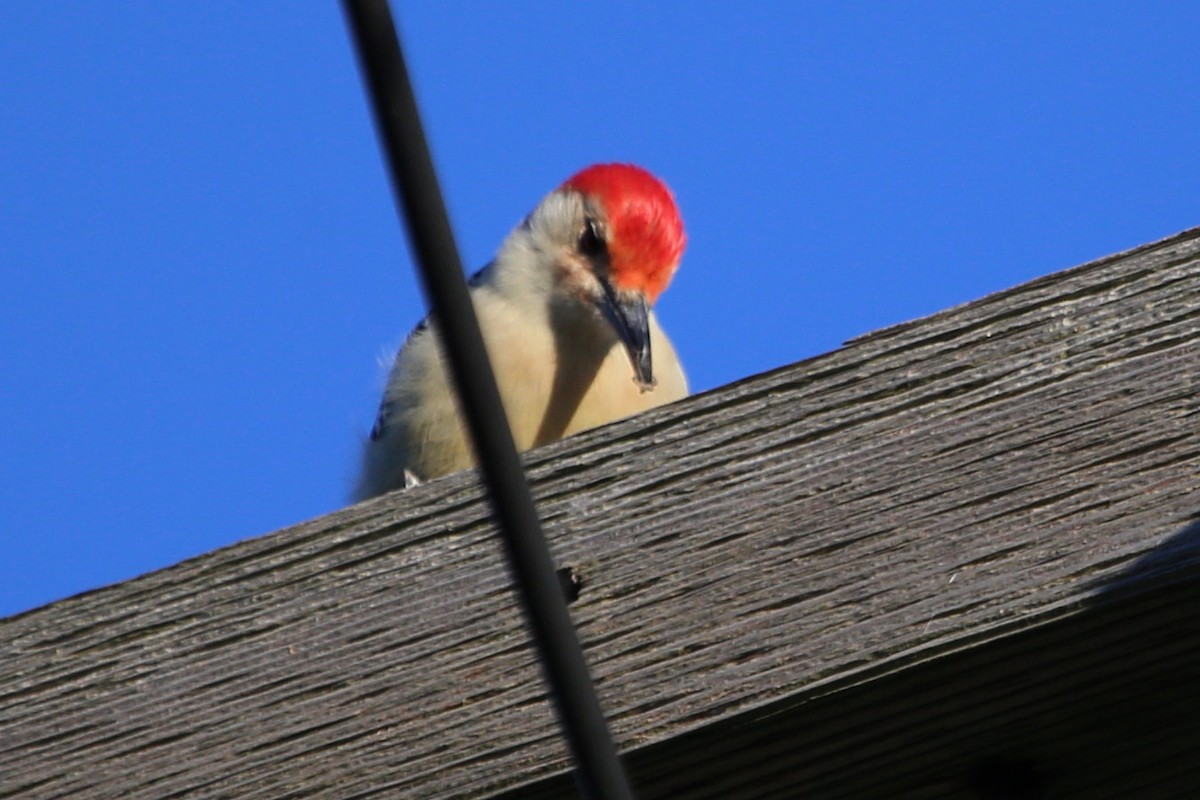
x=565 y=308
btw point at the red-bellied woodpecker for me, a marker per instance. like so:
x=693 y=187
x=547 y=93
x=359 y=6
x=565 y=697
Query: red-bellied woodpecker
x=565 y=312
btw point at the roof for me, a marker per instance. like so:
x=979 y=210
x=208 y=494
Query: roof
x=954 y=558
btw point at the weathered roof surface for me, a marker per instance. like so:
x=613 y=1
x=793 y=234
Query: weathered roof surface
x=955 y=558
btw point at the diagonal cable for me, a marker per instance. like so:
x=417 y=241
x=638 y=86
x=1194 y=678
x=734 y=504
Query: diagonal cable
x=598 y=768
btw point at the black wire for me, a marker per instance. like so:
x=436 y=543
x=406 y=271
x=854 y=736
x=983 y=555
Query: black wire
x=599 y=771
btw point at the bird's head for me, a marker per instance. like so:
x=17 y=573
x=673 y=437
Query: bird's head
x=613 y=237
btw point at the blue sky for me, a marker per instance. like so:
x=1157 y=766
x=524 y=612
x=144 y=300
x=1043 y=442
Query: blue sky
x=202 y=263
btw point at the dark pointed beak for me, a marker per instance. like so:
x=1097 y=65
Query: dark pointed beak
x=630 y=317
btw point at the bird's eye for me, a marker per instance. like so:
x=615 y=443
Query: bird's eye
x=591 y=243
